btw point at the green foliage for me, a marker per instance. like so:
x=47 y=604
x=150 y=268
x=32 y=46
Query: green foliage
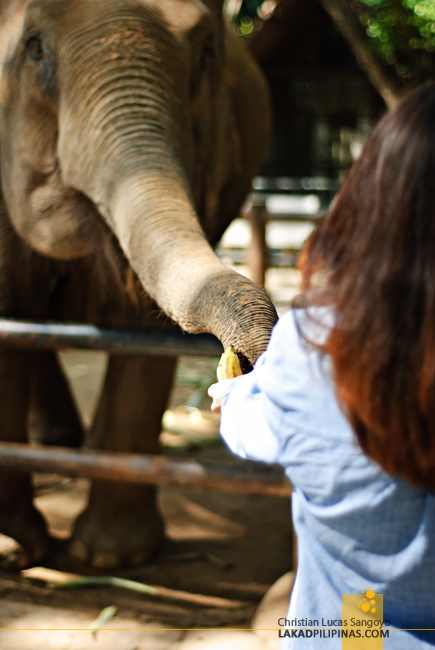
x=248 y=11
x=402 y=33
x=103 y=617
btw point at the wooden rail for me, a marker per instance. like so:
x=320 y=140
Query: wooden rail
x=258 y=256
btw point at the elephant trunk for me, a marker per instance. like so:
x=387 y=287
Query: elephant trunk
x=134 y=158
x=157 y=227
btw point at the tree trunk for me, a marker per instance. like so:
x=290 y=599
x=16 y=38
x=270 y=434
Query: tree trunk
x=346 y=19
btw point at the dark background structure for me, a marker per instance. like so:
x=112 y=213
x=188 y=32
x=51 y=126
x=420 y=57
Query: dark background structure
x=333 y=66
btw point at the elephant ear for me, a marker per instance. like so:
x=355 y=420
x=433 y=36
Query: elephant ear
x=11 y=19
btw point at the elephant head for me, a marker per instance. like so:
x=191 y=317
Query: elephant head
x=146 y=118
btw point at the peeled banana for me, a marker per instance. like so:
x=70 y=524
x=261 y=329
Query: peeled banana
x=229 y=365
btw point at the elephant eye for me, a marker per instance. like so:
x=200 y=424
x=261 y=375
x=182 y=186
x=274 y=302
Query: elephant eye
x=34 y=48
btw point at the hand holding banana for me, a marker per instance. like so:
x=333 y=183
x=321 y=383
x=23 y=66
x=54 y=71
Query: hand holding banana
x=227 y=371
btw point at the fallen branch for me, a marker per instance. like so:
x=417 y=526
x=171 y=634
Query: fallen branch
x=162 y=592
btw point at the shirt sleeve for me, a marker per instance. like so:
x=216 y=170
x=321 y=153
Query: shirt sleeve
x=244 y=428
x=285 y=411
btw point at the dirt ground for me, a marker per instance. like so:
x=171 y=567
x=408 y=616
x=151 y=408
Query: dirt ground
x=224 y=549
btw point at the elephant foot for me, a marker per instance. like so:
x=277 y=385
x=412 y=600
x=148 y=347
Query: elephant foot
x=121 y=527
x=28 y=528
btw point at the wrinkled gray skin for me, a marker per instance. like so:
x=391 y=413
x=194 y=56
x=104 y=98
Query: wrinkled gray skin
x=130 y=131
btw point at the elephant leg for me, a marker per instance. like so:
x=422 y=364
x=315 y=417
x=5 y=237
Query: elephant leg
x=121 y=525
x=19 y=519
x=53 y=415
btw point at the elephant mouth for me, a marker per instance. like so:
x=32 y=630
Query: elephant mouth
x=245 y=364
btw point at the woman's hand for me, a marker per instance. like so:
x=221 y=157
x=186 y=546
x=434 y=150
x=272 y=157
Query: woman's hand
x=217 y=391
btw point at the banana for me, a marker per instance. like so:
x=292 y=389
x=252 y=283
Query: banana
x=229 y=365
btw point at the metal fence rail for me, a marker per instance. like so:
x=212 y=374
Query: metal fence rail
x=229 y=476
x=122 y=340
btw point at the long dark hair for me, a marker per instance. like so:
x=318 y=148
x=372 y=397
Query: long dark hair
x=373 y=260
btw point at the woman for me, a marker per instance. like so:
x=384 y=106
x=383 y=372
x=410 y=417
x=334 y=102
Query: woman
x=344 y=397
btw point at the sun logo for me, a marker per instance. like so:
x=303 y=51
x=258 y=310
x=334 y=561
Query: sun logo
x=368 y=604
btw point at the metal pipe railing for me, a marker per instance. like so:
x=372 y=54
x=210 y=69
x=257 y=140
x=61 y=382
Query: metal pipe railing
x=229 y=476
x=169 y=342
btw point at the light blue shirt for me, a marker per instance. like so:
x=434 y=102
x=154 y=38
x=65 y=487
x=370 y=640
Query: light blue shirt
x=357 y=527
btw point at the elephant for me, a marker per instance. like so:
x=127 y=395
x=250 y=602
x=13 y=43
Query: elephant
x=130 y=131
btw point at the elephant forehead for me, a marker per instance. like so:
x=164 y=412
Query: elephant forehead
x=127 y=19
